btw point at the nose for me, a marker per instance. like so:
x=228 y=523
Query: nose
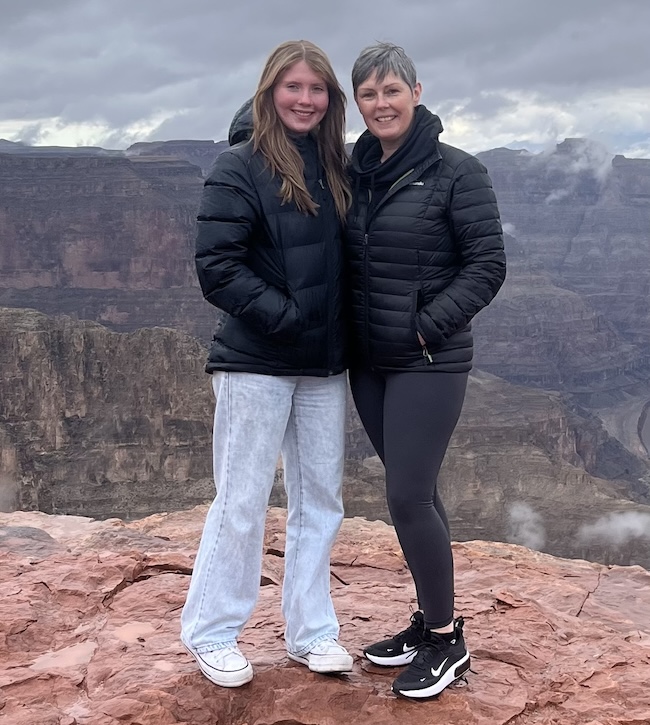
x=382 y=101
x=305 y=97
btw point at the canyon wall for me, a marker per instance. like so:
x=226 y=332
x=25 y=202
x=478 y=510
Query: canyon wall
x=111 y=239
x=108 y=239
x=581 y=220
x=99 y=423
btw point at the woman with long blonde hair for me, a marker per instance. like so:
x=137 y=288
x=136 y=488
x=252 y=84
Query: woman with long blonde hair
x=268 y=255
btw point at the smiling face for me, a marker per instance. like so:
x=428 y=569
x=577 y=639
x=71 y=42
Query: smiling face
x=301 y=98
x=387 y=107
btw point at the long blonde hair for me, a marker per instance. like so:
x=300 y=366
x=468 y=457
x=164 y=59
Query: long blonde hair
x=270 y=135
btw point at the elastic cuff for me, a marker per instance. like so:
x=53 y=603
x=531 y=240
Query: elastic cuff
x=438 y=625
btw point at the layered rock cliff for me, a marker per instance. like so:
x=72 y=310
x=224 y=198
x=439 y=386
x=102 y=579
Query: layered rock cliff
x=93 y=421
x=111 y=239
x=89 y=625
x=119 y=424
x=583 y=220
x=102 y=238
x=537 y=332
x=199 y=153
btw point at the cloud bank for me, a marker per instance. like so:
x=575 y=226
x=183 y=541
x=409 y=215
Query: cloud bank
x=513 y=72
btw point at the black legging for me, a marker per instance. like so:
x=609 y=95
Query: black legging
x=409 y=418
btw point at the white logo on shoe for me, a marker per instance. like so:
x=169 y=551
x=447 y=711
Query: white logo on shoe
x=405 y=649
x=436 y=672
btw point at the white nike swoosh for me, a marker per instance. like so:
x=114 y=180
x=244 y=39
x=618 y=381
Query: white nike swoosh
x=436 y=673
x=406 y=648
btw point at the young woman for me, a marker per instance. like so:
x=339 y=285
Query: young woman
x=268 y=254
x=425 y=255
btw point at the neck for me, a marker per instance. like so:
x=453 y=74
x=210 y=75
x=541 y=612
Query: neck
x=387 y=150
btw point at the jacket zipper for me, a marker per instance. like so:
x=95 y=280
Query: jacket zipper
x=395 y=186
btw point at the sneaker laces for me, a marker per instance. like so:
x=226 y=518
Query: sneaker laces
x=416 y=628
x=428 y=649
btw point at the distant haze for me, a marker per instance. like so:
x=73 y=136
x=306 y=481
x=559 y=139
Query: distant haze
x=518 y=73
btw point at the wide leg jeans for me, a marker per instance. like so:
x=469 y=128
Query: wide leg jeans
x=257 y=417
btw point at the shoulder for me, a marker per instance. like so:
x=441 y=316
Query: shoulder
x=459 y=161
x=232 y=164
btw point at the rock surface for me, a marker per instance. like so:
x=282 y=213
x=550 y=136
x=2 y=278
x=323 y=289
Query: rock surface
x=89 y=619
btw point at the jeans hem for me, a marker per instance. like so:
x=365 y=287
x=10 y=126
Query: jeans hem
x=306 y=650
x=207 y=648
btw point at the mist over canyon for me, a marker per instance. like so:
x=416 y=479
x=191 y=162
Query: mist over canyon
x=106 y=411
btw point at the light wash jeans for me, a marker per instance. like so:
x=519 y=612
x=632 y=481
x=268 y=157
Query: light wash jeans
x=256 y=418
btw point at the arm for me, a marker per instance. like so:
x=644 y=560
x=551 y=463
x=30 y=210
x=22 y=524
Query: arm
x=476 y=229
x=228 y=216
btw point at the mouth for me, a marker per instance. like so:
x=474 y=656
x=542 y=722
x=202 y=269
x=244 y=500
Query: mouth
x=304 y=114
x=385 y=119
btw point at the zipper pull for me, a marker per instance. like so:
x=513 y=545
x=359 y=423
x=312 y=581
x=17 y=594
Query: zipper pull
x=426 y=353
x=322 y=186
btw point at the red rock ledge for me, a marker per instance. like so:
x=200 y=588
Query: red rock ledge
x=89 y=618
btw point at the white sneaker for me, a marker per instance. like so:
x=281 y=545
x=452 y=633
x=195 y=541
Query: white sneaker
x=226 y=667
x=326 y=656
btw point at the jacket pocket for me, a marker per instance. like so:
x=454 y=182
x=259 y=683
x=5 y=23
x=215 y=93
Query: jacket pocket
x=416 y=303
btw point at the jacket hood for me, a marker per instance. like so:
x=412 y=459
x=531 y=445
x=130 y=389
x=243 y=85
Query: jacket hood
x=366 y=154
x=241 y=127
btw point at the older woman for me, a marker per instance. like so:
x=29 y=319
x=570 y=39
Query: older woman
x=425 y=251
x=269 y=255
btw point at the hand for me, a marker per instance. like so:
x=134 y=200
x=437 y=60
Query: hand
x=422 y=341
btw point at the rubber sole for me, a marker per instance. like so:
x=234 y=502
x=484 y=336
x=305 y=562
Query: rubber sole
x=452 y=674
x=325 y=664
x=397 y=661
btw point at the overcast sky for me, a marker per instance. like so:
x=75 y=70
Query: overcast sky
x=518 y=73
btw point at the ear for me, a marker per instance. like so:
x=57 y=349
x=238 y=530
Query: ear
x=417 y=92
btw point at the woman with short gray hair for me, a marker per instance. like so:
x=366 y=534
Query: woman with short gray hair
x=425 y=254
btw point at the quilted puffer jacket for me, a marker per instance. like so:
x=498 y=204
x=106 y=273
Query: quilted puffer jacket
x=274 y=271
x=424 y=248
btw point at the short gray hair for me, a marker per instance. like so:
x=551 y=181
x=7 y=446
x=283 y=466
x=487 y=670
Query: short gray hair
x=382 y=59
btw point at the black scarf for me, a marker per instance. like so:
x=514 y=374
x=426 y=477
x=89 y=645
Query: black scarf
x=367 y=170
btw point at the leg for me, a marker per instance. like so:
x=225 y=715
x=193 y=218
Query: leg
x=313 y=451
x=249 y=424
x=420 y=413
x=368 y=390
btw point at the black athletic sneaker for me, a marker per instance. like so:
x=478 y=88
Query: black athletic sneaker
x=400 y=649
x=438 y=662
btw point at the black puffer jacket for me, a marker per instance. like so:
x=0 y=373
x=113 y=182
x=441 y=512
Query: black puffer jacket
x=425 y=251
x=275 y=271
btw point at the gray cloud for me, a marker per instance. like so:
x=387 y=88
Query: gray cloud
x=8 y=494
x=163 y=69
x=617 y=528
x=525 y=526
